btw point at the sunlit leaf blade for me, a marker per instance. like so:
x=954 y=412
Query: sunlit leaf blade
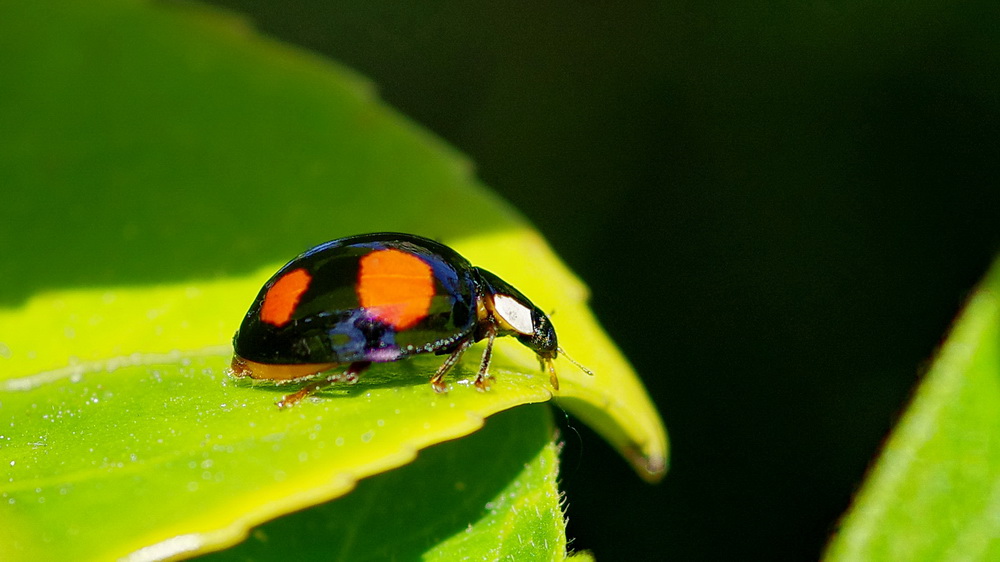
x=429 y=510
x=109 y=463
x=159 y=162
x=935 y=492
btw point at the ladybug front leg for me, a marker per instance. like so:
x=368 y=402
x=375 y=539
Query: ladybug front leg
x=349 y=375
x=483 y=379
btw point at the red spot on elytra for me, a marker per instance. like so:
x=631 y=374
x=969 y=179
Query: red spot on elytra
x=282 y=298
x=395 y=287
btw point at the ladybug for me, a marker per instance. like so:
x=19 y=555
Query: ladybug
x=382 y=297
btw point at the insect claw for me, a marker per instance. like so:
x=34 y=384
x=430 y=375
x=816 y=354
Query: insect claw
x=483 y=383
x=439 y=385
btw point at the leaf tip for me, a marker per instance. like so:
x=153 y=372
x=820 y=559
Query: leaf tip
x=651 y=466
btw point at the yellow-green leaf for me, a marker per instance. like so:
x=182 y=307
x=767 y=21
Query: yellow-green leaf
x=429 y=510
x=159 y=162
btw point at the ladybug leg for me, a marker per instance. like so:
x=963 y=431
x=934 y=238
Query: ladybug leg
x=437 y=381
x=483 y=379
x=350 y=375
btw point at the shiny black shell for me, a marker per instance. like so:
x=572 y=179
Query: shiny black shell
x=329 y=325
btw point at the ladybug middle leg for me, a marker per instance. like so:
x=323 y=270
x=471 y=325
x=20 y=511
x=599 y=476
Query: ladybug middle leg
x=483 y=378
x=437 y=381
x=349 y=375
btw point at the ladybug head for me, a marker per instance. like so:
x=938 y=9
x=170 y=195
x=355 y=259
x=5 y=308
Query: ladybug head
x=517 y=316
x=542 y=339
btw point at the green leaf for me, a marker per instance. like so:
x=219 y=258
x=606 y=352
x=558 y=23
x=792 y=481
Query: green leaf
x=428 y=510
x=160 y=161
x=935 y=492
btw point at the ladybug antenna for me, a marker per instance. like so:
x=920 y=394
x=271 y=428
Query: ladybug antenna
x=574 y=361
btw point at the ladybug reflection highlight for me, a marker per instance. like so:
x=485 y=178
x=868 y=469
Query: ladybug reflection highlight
x=377 y=298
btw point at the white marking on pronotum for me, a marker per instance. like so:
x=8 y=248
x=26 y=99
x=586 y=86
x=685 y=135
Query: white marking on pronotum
x=514 y=313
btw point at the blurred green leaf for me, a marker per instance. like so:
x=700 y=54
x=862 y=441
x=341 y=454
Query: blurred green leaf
x=160 y=161
x=935 y=492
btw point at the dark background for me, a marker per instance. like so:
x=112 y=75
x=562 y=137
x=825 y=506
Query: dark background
x=779 y=207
